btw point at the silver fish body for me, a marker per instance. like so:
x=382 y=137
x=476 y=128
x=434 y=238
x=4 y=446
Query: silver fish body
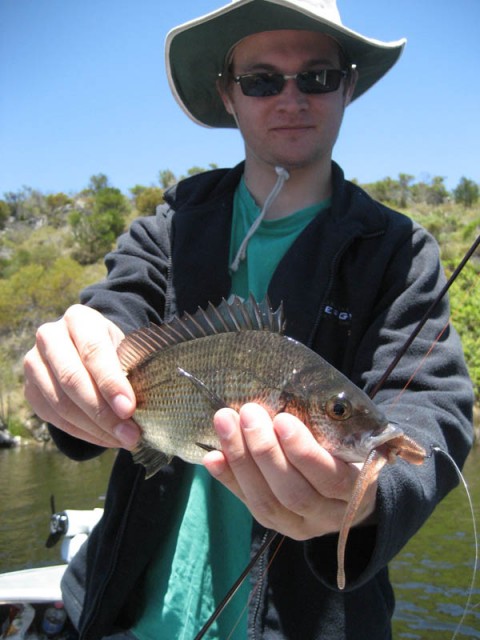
x=184 y=372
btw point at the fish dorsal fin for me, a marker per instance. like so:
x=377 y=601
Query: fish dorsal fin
x=232 y=316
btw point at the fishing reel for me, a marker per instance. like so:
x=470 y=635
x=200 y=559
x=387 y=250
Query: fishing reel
x=73 y=525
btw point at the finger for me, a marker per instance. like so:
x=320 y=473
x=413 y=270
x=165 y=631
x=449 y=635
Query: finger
x=225 y=422
x=240 y=473
x=247 y=473
x=218 y=467
x=52 y=405
x=55 y=371
x=331 y=477
x=96 y=340
x=44 y=410
x=280 y=503
x=305 y=511
x=67 y=388
x=82 y=364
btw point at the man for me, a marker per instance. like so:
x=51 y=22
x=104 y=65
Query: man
x=354 y=277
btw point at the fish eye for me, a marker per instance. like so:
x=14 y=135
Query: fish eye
x=338 y=407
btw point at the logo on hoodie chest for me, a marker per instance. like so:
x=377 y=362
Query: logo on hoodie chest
x=339 y=314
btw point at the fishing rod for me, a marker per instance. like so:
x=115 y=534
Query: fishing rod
x=273 y=535
x=402 y=351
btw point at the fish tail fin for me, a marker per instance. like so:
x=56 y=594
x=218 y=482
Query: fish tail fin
x=152 y=459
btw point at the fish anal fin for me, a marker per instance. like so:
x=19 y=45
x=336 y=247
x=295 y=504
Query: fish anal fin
x=152 y=459
x=374 y=462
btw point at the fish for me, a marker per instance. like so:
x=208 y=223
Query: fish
x=185 y=370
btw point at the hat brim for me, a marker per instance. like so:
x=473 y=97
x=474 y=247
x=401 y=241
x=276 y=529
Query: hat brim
x=195 y=51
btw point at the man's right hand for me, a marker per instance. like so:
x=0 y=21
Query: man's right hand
x=74 y=380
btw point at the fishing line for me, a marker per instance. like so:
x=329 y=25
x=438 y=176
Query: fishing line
x=432 y=346
x=424 y=319
x=475 y=537
x=258 y=583
x=387 y=373
x=440 y=334
x=273 y=535
x=420 y=365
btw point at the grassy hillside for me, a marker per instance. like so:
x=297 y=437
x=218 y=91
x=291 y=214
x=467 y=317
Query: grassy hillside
x=52 y=245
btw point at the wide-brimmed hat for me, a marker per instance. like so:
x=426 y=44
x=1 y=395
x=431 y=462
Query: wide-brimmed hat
x=196 y=51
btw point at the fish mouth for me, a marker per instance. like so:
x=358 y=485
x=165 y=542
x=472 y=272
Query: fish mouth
x=372 y=441
x=357 y=446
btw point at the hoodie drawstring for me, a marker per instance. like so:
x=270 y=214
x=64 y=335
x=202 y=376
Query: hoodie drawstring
x=283 y=176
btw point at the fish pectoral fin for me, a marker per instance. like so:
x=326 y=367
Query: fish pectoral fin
x=206 y=447
x=215 y=400
x=152 y=459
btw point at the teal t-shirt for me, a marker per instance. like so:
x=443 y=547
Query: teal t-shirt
x=207 y=548
x=267 y=246
x=208 y=545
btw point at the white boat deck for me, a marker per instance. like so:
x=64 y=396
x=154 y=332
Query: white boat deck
x=32 y=585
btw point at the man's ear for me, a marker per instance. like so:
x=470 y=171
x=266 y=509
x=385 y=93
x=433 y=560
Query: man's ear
x=227 y=102
x=352 y=82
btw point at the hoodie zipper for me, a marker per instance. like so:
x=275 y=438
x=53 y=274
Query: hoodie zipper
x=333 y=269
x=170 y=299
x=260 y=581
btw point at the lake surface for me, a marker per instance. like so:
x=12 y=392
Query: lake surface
x=432 y=575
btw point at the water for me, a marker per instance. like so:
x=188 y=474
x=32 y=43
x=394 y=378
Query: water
x=29 y=475
x=432 y=575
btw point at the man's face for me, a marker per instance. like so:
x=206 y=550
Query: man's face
x=291 y=129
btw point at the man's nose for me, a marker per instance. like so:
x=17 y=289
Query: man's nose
x=291 y=95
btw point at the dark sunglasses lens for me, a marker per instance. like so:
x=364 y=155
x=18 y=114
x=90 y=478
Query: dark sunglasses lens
x=260 y=85
x=321 y=82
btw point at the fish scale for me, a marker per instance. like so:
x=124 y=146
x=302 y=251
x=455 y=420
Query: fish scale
x=175 y=415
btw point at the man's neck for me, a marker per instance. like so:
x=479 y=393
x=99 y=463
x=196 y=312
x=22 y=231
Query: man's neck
x=304 y=187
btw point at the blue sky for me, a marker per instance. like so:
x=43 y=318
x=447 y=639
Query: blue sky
x=83 y=91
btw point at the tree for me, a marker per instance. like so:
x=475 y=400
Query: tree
x=433 y=192
x=36 y=293
x=194 y=170
x=137 y=190
x=385 y=190
x=467 y=192
x=438 y=192
x=98 y=182
x=167 y=178
x=404 y=181
x=12 y=199
x=96 y=227
x=27 y=206
x=58 y=205
x=4 y=213
x=148 y=200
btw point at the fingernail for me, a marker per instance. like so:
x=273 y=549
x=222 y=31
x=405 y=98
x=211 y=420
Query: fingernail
x=123 y=406
x=127 y=434
x=285 y=426
x=224 y=424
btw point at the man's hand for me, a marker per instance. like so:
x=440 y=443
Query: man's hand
x=73 y=379
x=287 y=480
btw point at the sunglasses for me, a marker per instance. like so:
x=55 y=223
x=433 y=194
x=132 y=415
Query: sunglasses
x=263 y=84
